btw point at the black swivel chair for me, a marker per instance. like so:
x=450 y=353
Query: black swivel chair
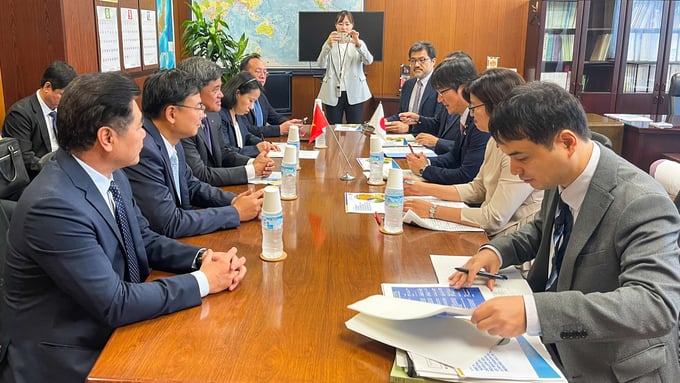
x=674 y=95
x=6 y=209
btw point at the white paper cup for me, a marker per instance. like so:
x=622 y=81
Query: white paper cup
x=376 y=144
x=289 y=155
x=293 y=134
x=272 y=200
x=395 y=179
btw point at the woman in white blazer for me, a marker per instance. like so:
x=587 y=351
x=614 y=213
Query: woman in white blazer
x=344 y=88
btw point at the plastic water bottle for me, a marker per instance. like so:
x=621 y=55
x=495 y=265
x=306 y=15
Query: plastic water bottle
x=377 y=161
x=394 y=202
x=294 y=139
x=320 y=141
x=272 y=224
x=289 y=173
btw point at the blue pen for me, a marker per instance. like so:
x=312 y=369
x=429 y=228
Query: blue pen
x=483 y=274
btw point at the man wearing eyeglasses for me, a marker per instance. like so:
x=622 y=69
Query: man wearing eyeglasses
x=263 y=120
x=417 y=94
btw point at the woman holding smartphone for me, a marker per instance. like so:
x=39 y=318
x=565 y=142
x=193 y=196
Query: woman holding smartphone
x=343 y=88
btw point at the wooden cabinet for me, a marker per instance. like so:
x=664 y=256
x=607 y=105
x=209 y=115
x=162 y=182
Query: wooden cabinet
x=575 y=44
x=650 y=56
x=614 y=55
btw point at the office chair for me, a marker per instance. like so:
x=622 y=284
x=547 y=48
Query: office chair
x=601 y=138
x=674 y=95
x=6 y=209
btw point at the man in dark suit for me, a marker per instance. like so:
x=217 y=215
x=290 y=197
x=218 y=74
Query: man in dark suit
x=263 y=120
x=207 y=154
x=80 y=250
x=164 y=186
x=605 y=277
x=461 y=163
x=422 y=101
x=32 y=120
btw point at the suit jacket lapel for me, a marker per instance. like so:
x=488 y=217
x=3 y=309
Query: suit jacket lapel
x=82 y=181
x=40 y=118
x=595 y=205
x=448 y=123
x=155 y=135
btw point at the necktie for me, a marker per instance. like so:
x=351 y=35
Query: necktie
x=53 y=115
x=124 y=227
x=174 y=164
x=259 y=120
x=206 y=134
x=563 y=224
x=416 y=102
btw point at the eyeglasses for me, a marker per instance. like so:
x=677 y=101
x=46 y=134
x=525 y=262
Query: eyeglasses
x=472 y=108
x=261 y=72
x=421 y=60
x=442 y=91
x=200 y=107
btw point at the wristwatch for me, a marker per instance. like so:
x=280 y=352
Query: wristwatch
x=420 y=172
x=198 y=261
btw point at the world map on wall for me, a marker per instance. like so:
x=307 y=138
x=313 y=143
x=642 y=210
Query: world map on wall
x=272 y=25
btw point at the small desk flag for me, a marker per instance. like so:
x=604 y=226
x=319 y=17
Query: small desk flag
x=377 y=121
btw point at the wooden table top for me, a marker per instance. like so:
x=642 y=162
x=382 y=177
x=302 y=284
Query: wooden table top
x=285 y=321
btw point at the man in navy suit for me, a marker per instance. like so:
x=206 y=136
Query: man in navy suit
x=461 y=163
x=162 y=183
x=80 y=250
x=32 y=120
x=266 y=122
x=422 y=101
x=207 y=154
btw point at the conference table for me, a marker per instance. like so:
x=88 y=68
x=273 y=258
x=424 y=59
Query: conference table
x=285 y=321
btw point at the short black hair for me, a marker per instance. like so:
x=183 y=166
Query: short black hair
x=246 y=61
x=91 y=101
x=454 y=72
x=538 y=111
x=201 y=69
x=167 y=87
x=423 y=45
x=492 y=86
x=242 y=83
x=59 y=74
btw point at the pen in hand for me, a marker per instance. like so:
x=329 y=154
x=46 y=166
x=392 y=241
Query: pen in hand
x=483 y=274
x=411 y=147
x=304 y=120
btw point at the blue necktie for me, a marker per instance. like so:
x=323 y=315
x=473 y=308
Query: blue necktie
x=259 y=120
x=174 y=164
x=563 y=224
x=124 y=227
x=53 y=115
x=206 y=134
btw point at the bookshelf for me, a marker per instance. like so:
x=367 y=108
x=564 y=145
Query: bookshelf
x=650 y=56
x=577 y=46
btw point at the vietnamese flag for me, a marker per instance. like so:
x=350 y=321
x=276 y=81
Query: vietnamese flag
x=319 y=124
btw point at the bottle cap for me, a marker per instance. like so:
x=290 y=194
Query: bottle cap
x=272 y=200
x=376 y=144
x=289 y=155
x=293 y=134
x=395 y=179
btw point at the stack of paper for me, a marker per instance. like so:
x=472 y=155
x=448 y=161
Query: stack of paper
x=400 y=140
x=365 y=164
x=400 y=151
x=420 y=318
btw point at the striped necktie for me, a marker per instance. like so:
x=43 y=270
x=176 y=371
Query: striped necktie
x=563 y=224
x=124 y=227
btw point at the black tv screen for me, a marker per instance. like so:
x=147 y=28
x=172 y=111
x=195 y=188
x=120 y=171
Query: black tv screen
x=316 y=26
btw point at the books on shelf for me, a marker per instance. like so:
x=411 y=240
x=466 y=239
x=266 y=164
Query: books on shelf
x=560 y=15
x=601 y=48
x=559 y=78
x=558 y=47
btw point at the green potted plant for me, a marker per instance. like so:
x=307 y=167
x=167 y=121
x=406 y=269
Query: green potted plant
x=211 y=39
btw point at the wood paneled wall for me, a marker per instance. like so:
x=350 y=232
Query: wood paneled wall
x=479 y=27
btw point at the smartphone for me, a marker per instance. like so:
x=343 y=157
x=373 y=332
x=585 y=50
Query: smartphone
x=345 y=38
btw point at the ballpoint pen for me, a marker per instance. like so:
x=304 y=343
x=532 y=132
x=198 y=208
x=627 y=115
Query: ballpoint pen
x=483 y=274
x=377 y=218
x=411 y=147
x=304 y=120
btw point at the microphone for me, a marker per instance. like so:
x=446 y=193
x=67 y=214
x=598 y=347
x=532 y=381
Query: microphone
x=346 y=176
